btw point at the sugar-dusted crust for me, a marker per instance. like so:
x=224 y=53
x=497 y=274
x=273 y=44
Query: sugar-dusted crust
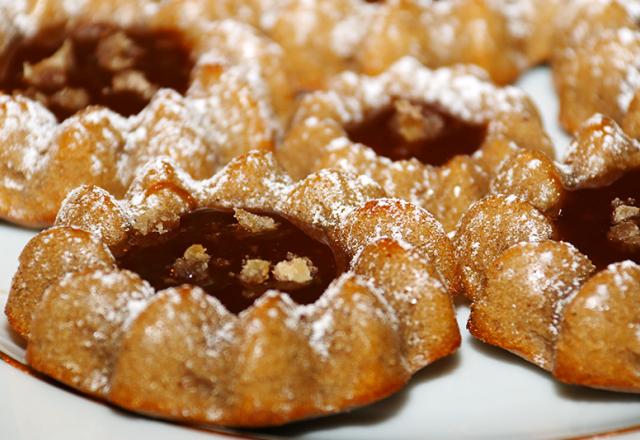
x=318 y=137
x=323 y=38
x=539 y=297
x=594 y=63
x=319 y=38
x=237 y=100
x=502 y=36
x=179 y=354
x=590 y=44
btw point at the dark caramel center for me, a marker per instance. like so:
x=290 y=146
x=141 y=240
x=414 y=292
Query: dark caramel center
x=604 y=223
x=236 y=256
x=68 y=70
x=408 y=129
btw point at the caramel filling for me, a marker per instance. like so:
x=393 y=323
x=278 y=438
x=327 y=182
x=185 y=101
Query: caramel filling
x=408 y=129
x=236 y=256
x=68 y=70
x=604 y=223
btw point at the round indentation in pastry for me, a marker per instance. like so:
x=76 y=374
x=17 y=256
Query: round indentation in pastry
x=90 y=94
x=433 y=137
x=408 y=129
x=236 y=256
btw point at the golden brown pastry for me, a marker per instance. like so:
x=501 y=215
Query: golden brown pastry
x=433 y=137
x=594 y=63
x=504 y=37
x=170 y=302
x=319 y=38
x=322 y=38
x=90 y=94
x=553 y=274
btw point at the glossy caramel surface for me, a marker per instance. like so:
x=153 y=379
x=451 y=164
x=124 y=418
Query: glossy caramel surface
x=229 y=245
x=69 y=69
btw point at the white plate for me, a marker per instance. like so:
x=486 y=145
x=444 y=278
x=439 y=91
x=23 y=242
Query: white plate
x=480 y=392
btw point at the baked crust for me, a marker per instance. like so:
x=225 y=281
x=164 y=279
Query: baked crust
x=594 y=64
x=318 y=136
x=502 y=36
x=590 y=45
x=237 y=100
x=179 y=354
x=539 y=297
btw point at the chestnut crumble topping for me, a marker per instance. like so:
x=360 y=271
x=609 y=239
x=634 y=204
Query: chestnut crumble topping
x=413 y=124
x=255 y=271
x=253 y=222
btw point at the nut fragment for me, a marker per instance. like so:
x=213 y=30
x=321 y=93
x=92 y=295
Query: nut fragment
x=299 y=270
x=50 y=73
x=624 y=210
x=255 y=271
x=193 y=265
x=133 y=81
x=625 y=228
x=412 y=124
x=254 y=222
x=70 y=98
x=117 y=52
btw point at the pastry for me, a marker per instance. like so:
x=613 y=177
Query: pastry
x=322 y=38
x=554 y=275
x=169 y=302
x=87 y=99
x=433 y=137
x=595 y=64
x=504 y=37
x=319 y=38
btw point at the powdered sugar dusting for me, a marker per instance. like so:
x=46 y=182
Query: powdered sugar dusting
x=458 y=92
x=25 y=134
x=519 y=14
x=201 y=131
x=600 y=153
x=122 y=303
x=352 y=98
